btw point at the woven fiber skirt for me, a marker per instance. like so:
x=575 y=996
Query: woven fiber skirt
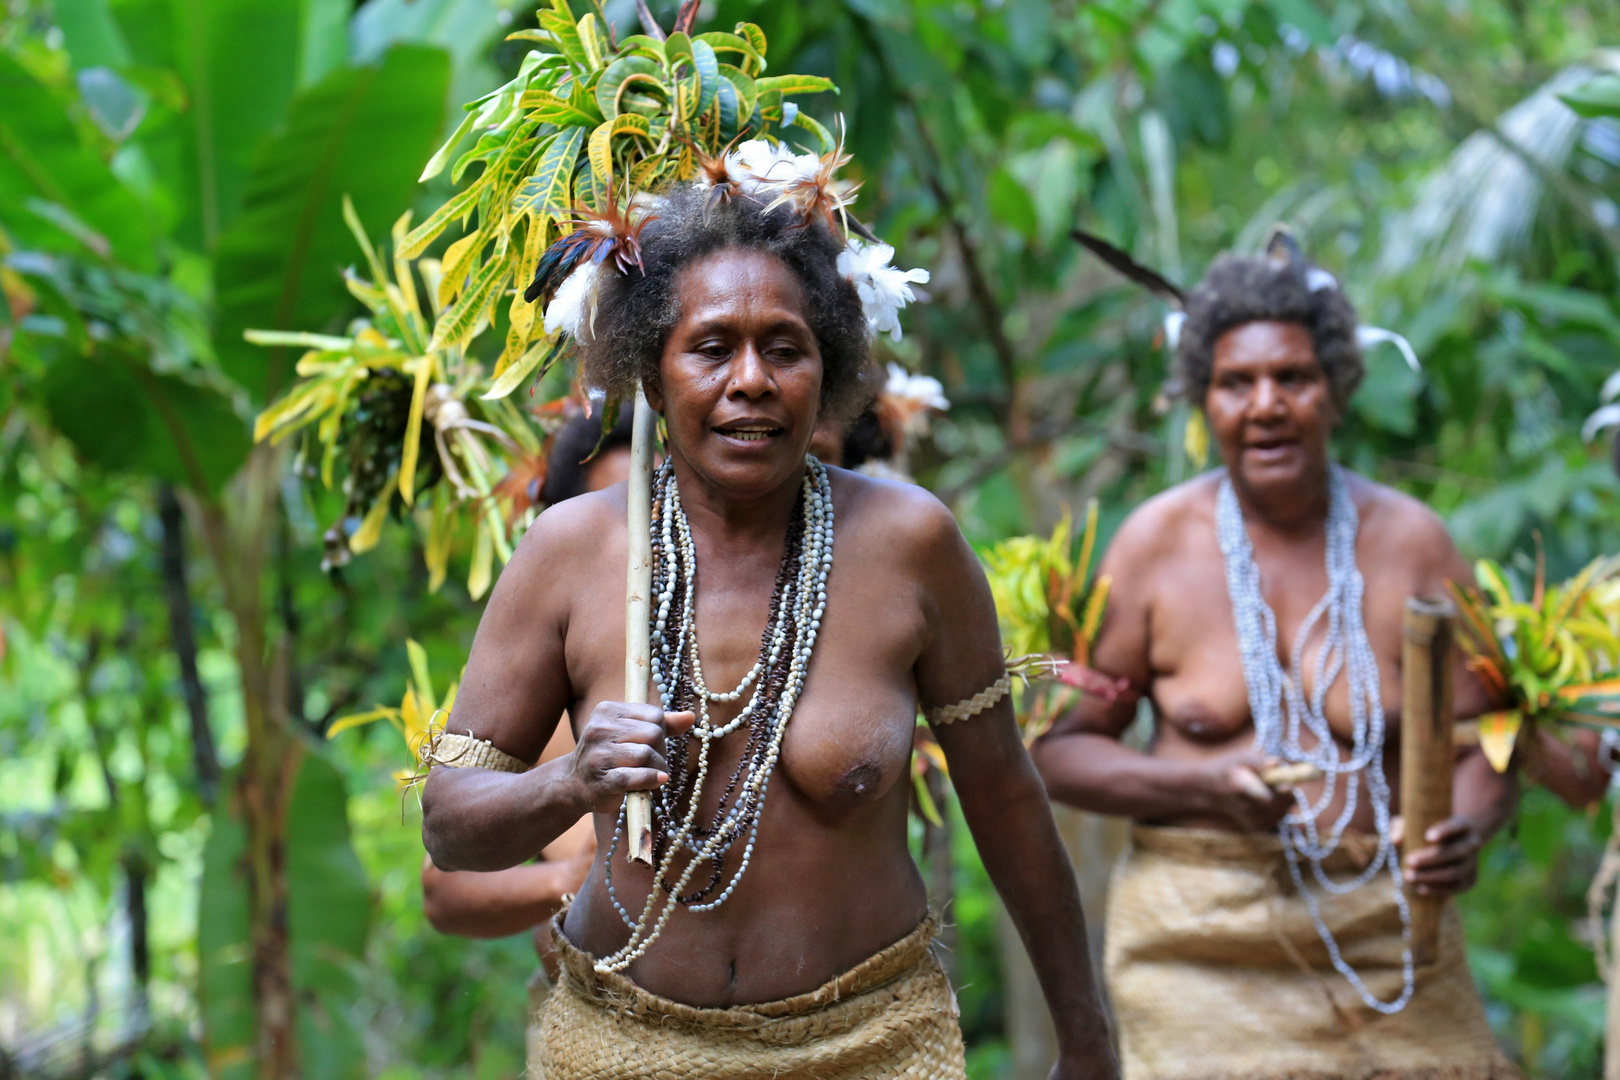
x=891 y=1016
x=1216 y=971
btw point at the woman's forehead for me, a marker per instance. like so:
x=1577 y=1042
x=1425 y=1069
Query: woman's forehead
x=734 y=282
x=1265 y=343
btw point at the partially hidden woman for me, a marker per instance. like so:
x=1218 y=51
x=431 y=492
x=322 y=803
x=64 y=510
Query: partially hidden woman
x=803 y=616
x=1258 y=932
x=524 y=898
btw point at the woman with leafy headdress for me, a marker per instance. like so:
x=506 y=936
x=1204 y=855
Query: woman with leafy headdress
x=1260 y=929
x=782 y=928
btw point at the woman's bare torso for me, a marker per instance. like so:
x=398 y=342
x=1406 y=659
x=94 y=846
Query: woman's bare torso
x=831 y=880
x=1197 y=687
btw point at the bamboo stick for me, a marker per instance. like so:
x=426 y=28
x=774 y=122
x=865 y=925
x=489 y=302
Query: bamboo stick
x=637 y=605
x=1286 y=777
x=1427 y=753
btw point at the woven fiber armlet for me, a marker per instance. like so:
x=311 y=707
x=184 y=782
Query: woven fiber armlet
x=968 y=708
x=464 y=751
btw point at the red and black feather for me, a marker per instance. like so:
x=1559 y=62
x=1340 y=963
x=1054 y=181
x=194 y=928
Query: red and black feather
x=597 y=237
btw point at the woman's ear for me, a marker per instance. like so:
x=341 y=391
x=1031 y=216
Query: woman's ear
x=655 y=395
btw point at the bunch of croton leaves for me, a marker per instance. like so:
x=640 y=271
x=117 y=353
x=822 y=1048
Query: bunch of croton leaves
x=1049 y=606
x=401 y=412
x=1552 y=656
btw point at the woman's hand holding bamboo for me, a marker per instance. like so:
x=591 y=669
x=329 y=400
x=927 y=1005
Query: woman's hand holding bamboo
x=621 y=749
x=1230 y=786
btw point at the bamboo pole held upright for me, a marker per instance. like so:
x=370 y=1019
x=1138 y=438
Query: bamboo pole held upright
x=637 y=606
x=1427 y=720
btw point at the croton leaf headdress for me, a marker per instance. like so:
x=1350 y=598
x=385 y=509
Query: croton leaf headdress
x=556 y=172
x=764 y=170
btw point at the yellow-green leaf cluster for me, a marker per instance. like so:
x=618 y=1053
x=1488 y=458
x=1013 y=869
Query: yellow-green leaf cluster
x=583 y=116
x=1045 y=599
x=415 y=711
x=1552 y=656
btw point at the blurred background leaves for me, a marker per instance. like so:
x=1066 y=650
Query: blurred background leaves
x=173 y=173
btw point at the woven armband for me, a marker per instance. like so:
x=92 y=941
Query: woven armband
x=968 y=708
x=466 y=752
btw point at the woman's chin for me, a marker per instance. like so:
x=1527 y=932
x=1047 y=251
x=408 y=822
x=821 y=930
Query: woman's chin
x=748 y=467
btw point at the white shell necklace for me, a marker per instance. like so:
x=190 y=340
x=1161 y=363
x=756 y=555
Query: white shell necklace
x=1282 y=711
x=777 y=681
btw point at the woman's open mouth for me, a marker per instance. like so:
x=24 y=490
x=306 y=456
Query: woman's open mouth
x=750 y=431
x=1270 y=449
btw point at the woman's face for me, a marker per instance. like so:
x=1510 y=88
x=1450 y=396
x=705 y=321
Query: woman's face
x=1269 y=405
x=740 y=378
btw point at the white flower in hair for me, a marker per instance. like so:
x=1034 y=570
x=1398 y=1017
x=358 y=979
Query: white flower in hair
x=884 y=290
x=759 y=164
x=567 y=311
x=925 y=390
x=903 y=406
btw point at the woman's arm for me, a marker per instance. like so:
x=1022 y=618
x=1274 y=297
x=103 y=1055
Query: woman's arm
x=501 y=903
x=1002 y=798
x=1482 y=801
x=1081 y=758
x=515 y=689
x=1576 y=768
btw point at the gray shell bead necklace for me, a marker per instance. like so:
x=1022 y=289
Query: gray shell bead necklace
x=1282 y=712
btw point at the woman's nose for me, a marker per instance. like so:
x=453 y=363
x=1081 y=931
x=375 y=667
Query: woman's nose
x=1267 y=398
x=750 y=374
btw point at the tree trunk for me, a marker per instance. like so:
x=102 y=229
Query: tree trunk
x=236 y=542
x=136 y=875
x=177 y=595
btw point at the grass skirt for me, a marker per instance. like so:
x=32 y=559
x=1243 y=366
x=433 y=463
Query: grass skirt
x=891 y=1016
x=1216 y=972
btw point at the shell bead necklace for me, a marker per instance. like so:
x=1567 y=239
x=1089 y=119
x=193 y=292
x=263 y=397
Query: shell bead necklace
x=1283 y=712
x=772 y=688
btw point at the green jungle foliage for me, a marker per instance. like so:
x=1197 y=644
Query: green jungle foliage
x=174 y=173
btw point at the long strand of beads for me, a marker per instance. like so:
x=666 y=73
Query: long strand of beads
x=1284 y=713
x=777 y=681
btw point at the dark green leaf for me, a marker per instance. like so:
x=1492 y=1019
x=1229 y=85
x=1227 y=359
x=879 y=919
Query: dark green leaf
x=42 y=158
x=1011 y=203
x=641 y=73
x=127 y=418
x=1600 y=97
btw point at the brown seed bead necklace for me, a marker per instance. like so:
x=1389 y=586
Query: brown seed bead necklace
x=798 y=601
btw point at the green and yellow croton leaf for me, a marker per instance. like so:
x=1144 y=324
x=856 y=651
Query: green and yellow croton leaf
x=1551 y=657
x=403 y=413
x=415 y=712
x=1049 y=607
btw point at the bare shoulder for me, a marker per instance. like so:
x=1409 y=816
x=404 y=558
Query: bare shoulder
x=1401 y=534
x=569 y=536
x=1396 y=517
x=1162 y=526
x=908 y=518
